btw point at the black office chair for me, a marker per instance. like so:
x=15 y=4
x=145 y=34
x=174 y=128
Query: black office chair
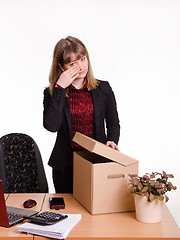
x=21 y=166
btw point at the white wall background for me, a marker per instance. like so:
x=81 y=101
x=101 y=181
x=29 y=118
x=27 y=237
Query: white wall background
x=133 y=44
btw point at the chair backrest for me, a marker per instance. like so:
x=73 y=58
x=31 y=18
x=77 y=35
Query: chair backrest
x=21 y=164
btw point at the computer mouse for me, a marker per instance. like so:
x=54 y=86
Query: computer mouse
x=29 y=203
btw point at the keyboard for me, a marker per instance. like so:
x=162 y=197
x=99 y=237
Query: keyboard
x=47 y=218
x=12 y=217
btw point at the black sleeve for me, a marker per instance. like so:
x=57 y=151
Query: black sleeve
x=112 y=119
x=53 y=109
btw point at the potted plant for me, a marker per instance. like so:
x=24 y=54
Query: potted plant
x=149 y=193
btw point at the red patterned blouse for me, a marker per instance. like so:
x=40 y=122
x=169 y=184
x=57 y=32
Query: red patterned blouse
x=82 y=113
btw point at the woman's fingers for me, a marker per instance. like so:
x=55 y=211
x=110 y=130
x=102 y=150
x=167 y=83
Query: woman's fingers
x=68 y=76
x=112 y=145
x=73 y=74
x=70 y=71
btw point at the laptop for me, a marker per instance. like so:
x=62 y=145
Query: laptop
x=10 y=216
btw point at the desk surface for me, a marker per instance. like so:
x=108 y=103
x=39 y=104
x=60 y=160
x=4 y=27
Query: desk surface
x=114 y=226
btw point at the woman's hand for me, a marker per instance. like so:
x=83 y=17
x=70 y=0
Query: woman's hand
x=112 y=145
x=68 y=76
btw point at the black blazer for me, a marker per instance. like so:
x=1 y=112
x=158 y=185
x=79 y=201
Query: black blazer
x=57 y=118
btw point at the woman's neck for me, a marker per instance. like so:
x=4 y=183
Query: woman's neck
x=78 y=83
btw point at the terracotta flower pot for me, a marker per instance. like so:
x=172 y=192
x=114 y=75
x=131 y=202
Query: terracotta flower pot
x=148 y=212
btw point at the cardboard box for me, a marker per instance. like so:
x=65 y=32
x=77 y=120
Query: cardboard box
x=101 y=178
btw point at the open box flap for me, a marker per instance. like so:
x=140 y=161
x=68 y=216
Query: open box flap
x=101 y=149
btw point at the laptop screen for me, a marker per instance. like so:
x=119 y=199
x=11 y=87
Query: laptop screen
x=3 y=216
x=17 y=214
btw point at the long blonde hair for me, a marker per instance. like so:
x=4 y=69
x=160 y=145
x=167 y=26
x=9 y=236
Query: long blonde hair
x=62 y=55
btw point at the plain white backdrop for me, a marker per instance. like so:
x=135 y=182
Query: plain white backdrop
x=133 y=44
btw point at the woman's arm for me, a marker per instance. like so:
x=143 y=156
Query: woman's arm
x=53 y=109
x=112 y=119
x=53 y=105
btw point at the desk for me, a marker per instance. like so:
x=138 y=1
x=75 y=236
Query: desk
x=122 y=226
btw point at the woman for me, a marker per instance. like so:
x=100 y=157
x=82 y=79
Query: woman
x=76 y=102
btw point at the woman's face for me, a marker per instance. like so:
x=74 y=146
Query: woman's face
x=82 y=63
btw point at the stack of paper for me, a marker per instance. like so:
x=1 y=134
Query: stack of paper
x=59 y=230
